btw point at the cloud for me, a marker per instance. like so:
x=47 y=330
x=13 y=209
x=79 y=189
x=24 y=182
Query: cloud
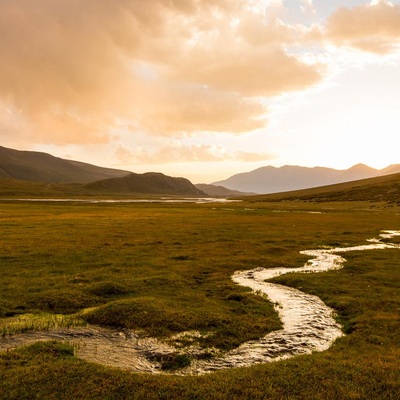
x=253 y=157
x=264 y=72
x=373 y=28
x=183 y=107
x=71 y=70
x=178 y=153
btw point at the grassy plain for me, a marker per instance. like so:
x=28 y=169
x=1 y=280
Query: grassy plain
x=165 y=268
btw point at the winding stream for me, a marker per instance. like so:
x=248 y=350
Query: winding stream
x=308 y=325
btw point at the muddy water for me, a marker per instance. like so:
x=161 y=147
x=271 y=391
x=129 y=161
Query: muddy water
x=308 y=325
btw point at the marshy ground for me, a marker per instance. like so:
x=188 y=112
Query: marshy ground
x=165 y=269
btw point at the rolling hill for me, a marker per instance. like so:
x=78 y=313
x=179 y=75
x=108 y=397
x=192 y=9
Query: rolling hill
x=43 y=167
x=274 y=180
x=30 y=173
x=379 y=189
x=220 y=191
x=148 y=183
x=132 y=185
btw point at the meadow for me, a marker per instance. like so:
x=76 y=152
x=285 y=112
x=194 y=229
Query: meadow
x=166 y=268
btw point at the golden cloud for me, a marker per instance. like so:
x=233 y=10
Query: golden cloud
x=189 y=108
x=373 y=28
x=257 y=73
x=70 y=70
x=178 y=153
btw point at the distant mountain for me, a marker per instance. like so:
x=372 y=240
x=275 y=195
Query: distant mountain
x=43 y=167
x=274 y=180
x=391 y=169
x=220 y=191
x=38 y=169
x=384 y=188
x=148 y=183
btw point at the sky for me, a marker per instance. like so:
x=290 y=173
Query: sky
x=202 y=88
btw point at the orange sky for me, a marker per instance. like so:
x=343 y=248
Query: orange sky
x=202 y=88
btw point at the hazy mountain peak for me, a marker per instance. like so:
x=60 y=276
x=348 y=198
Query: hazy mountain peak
x=361 y=166
x=270 y=179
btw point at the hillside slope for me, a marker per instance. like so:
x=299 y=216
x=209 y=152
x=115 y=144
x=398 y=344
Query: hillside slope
x=13 y=188
x=43 y=167
x=383 y=188
x=220 y=191
x=148 y=183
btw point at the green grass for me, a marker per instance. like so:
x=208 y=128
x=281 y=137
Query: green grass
x=167 y=268
x=148 y=267
x=38 y=322
x=13 y=188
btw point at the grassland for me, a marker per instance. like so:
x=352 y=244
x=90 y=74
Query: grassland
x=166 y=268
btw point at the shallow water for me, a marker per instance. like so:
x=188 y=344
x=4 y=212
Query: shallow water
x=308 y=325
x=196 y=200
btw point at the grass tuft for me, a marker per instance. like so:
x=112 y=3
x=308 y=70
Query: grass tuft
x=38 y=322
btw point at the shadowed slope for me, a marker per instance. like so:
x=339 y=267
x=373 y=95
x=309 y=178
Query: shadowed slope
x=148 y=183
x=43 y=167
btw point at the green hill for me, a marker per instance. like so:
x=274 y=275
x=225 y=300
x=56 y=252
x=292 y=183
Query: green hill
x=148 y=183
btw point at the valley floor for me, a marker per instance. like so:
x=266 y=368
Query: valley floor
x=150 y=267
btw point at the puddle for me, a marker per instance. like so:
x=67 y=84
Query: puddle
x=308 y=325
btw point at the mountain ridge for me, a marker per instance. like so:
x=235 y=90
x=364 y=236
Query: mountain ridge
x=271 y=179
x=43 y=167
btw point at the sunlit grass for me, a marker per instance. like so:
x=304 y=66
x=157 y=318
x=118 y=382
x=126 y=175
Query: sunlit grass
x=167 y=269
x=38 y=322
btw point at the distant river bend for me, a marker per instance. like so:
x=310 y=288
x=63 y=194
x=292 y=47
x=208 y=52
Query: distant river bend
x=308 y=324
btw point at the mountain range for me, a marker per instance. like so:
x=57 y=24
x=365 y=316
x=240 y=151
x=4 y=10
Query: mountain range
x=275 y=180
x=87 y=178
x=45 y=174
x=381 y=189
